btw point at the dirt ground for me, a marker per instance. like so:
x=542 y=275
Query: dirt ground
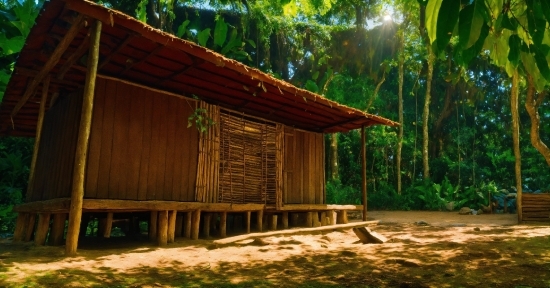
x=450 y=251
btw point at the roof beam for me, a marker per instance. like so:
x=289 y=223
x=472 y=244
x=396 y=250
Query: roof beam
x=118 y=48
x=342 y=123
x=74 y=57
x=159 y=47
x=52 y=61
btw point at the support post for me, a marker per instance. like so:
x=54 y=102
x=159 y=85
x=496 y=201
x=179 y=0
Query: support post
x=260 y=220
x=207 y=218
x=163 y=228
x=58 y=229
x=19 y=233
x=309 y=219
x=41 y=112
x=29 y=230
x=331 y=217
x=223 y=224
x=285 y=220
x=188 y=221
x=342 y=217
x=273 y=222
x=108 y=225
x=195 y=225
x=42 y=229
x=323 y=218
x=172 y=226
x=153 y=221
x=363 y=173
x=248 y=216
x=179 y=225
x=77 y=194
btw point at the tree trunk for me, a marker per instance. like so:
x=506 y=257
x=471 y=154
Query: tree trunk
x=373 y=96
x=426 y=114
x=515 y=134
x=334 y=156
x=400 y=94
x=532 y=106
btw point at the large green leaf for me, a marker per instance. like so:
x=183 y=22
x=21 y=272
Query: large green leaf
x=220 y=32
x=545 y=9
x=536 y=21
x=509 y=23
x=472 y=52
x=182 y=28
x=515 y=46
x=432 y=12
x=203 y=37
x=12 y=45
x=312 y=86
x=540 y=59
x=449 y=11
x=470 y=23
x=531 y=67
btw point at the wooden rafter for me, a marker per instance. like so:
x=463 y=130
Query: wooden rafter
x=118 y=48
x=177 y=73
x=74 y=57
x=52 y=61
x=159 y=47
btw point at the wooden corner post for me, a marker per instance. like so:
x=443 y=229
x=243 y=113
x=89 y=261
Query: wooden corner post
x=77 y=194
x=364 y=173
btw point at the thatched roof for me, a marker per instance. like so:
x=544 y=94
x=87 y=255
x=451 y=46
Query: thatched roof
x=133 y=51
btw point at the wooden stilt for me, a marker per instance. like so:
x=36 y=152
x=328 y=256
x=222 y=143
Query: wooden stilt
x=179 y=225
x=285 y=220
x=42 y=229
x=316 y=222
x=363 y=175
x=195 y=224
x=273 y=222
x=77 y=194
x=108 y=225
x=342 y=217
x=19 y=232
x=153 y=224
x=309 y=219
x=172 y=226
x=323 y=218
x=29 y=231
x=207 y=218
x=188 y=221
x=223 y=224
x=332 y=217
x=260 y=218
x=58 y=229
x=163 y=228
x=295 y=219
x=248 y=215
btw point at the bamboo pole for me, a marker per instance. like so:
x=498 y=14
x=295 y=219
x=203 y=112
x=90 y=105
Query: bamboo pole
x=41 y=112
x=77 y=194
x=179 y=225
x=58 y=229
x=364 y=173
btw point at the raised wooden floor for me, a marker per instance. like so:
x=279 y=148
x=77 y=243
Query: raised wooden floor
x=169 y=219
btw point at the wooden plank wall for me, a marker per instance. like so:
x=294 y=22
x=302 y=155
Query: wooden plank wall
x=55 y=160
x=304 y=168
x=536 y=207
x=140 y=146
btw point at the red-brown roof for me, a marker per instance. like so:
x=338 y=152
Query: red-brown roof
x=133 y=51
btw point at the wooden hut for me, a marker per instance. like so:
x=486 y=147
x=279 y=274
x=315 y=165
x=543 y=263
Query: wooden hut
x=109 y=99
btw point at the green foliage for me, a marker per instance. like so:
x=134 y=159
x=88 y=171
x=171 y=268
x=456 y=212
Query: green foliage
x=337 y=193
x=200 y=119
x=14 y=167
x=15 y=24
